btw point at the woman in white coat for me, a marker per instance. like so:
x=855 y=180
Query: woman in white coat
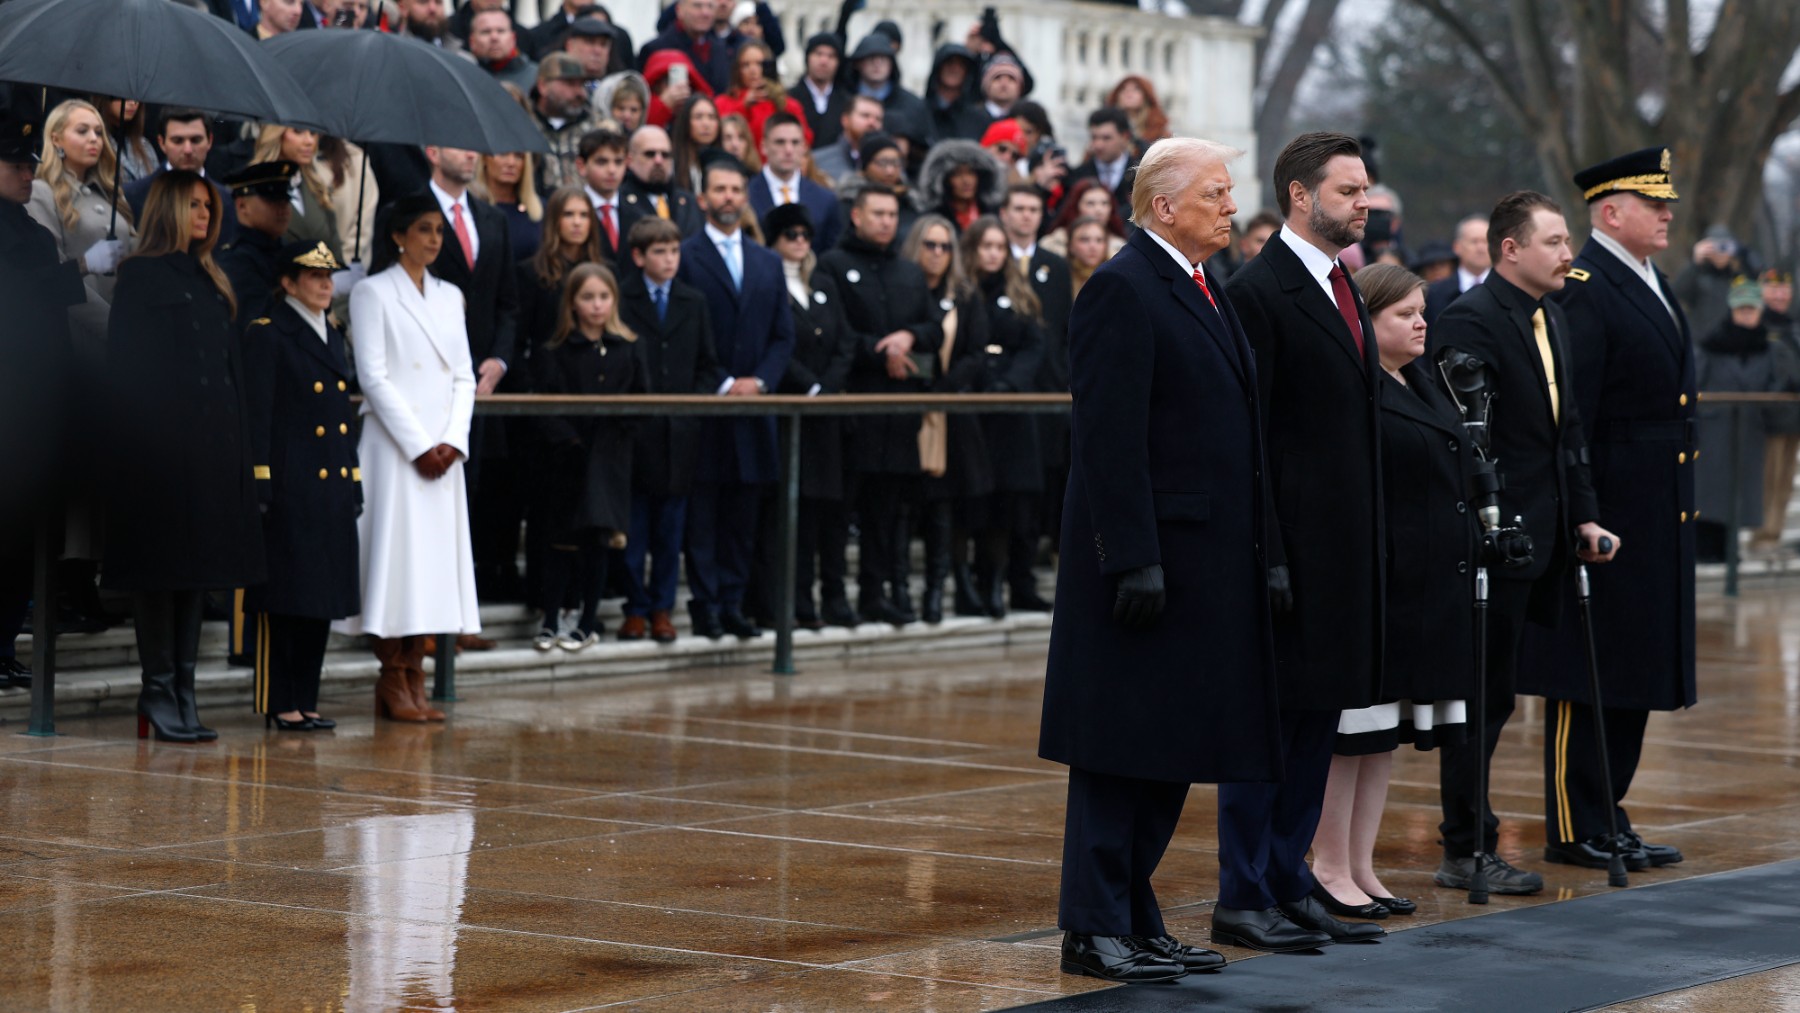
x=418 y=385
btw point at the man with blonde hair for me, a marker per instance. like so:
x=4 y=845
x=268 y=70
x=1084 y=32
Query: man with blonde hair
x=1162 y=548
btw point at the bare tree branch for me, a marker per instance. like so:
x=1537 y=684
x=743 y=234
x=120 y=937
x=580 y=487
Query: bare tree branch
x=1515 y=103
x=1271 y=13
x=1284 y=83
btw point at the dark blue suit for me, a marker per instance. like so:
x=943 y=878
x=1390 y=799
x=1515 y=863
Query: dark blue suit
x=1139 y=714
x=753 y=333
x=828 y=221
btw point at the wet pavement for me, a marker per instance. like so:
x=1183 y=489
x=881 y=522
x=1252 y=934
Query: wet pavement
x=873 y=834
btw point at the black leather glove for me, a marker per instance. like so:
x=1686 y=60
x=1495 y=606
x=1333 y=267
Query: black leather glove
x=1141 y=598
x=1281 y=590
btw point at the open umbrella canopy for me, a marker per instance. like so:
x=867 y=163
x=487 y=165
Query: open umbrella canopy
x=151 y=51
x=375 y=87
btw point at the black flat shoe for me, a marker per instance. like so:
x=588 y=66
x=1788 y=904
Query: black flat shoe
x=321 y=723
x=1192 y=958
x=1270 y=931
x=281 y=724
x=1116 y=958
x=1373 y=909
x=1397 y=905
x=1308 y=913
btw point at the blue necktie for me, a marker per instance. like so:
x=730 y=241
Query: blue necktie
x=661 y=296
x=732 y=265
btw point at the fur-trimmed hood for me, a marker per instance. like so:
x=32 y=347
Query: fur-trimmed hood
x=947 y=156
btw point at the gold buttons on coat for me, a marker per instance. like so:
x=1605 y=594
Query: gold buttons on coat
x=1683 y=401
x=1681 y=458
x=343 y=472
x=343 y=428
x=342 y=385
x=319 y=387
x=324 y=472
x=1684 y=517
x=319 y=431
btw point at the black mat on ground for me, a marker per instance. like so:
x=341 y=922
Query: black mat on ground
x=1574 y=955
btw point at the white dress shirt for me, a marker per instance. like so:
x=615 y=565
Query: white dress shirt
x=1313 y=259
x=313 y=318
x=1641 y=268
x=1113 y=172
x=821 y=99
x=1466 y=281
x=1186 y=267
x=446 y=202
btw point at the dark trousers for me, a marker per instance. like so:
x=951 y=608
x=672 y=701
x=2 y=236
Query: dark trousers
x=289 y=659
x=824 y=535
x=881 y=502
x=1265 y=830
x=1115 y=833
x=1508 y=602
x=657 y=527
x=1575 y=801
x=721 y=540
x=496 y=511
x=578 y=568
x=765 y=560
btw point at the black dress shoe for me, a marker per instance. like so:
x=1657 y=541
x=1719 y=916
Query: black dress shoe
x=880 y=610
x=1193 y=958
x=706 y=624
x=1396 y=905
x=1308 y=913
x=1116 y=958
x=1026 y=599
x=837 y=612
x=734 y=623
x=1270 y=930
x=1657 y=854
x=14 y=673
x=808 y=623
x=1594 y=853
x=1373 y=909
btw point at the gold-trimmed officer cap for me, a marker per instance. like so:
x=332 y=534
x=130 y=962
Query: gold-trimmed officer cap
x=1645 y=173
x=297 y=257
x=19 y=142
x=263 y=179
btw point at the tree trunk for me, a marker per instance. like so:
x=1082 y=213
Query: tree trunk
x=1284 y=83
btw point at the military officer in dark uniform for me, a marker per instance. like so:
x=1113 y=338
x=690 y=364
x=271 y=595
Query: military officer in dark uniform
x=37 y=288
x=1632 y=373
x=252 y=261
x=303 y=437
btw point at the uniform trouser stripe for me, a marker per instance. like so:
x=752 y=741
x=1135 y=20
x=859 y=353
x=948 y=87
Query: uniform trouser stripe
x=1564 y=822
x=237 y=622
x=262 y=663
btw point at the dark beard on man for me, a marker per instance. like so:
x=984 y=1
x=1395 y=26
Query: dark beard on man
x=1338 y=233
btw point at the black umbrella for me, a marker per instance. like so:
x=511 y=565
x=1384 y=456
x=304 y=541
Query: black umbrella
x=150 y=51
x=377 y=87
x=373 y=87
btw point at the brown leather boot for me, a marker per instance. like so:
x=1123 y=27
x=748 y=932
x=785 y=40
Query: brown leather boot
x=393 y=695
x=415 y=679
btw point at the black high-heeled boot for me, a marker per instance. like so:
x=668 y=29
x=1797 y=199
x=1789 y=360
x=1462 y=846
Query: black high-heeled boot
x=990 y=573
x=190 y=608
x=937 y=562
x=157 y=706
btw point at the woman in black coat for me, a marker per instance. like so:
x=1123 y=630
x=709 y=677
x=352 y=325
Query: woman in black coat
x=303 y=435
x=1010 y=359
x=182 y=510
x=1431 y=558
x=585 y=486
x=820 y=364
x=957 y=487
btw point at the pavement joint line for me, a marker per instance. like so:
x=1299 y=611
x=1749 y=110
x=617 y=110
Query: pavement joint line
x=816 y=730
x=871 y=847
x=815 y=751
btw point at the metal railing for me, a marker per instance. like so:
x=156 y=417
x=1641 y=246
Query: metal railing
x=787 y=409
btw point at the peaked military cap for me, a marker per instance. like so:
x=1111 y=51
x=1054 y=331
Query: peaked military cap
x=19 y=141
x=1645 y=173
x=297 y=257
x=263 y=179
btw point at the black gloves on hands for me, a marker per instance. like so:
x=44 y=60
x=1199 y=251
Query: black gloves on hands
x=1281 y=590
x=1141 y=598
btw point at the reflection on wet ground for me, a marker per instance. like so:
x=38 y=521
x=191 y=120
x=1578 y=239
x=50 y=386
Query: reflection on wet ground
x=874 y=835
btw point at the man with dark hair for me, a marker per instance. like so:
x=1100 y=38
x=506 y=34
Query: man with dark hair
x=863 y=116
x=1316 y=370
x=1632 y=373
x=560 y=109
x=649 y=186
x=821 y=100
x=602 y=153
x=185 y=138
x=1111 y=156
x=1472 y=265
x=887 y=305
x=753 y=335
x=782 y=182
x=674 y=330
x=692 y=33
x=1536 y=435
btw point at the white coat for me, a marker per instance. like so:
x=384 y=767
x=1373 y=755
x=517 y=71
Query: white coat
x=418 y=385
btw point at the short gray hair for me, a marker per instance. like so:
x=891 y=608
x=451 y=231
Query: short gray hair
x=1169 y=168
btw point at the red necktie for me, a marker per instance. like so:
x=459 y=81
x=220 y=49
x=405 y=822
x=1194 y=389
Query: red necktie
x=1200 y=280
x=1346 y=304
x=462 y=234
x=612 y=227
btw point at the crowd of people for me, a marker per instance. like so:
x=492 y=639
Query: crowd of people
x=696 y=227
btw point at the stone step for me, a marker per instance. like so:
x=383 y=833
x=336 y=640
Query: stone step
x=349 y=673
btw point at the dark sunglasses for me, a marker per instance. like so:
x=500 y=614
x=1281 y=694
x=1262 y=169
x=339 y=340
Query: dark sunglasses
x=935 y=247
x=797 y=232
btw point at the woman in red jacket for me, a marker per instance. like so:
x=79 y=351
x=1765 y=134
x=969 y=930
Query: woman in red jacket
x=756 y=94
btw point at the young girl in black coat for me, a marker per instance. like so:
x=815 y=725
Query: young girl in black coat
x=587 y=477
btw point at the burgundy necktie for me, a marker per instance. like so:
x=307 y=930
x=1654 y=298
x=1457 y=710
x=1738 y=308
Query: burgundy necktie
x=1346 y=304
x=612 y=227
